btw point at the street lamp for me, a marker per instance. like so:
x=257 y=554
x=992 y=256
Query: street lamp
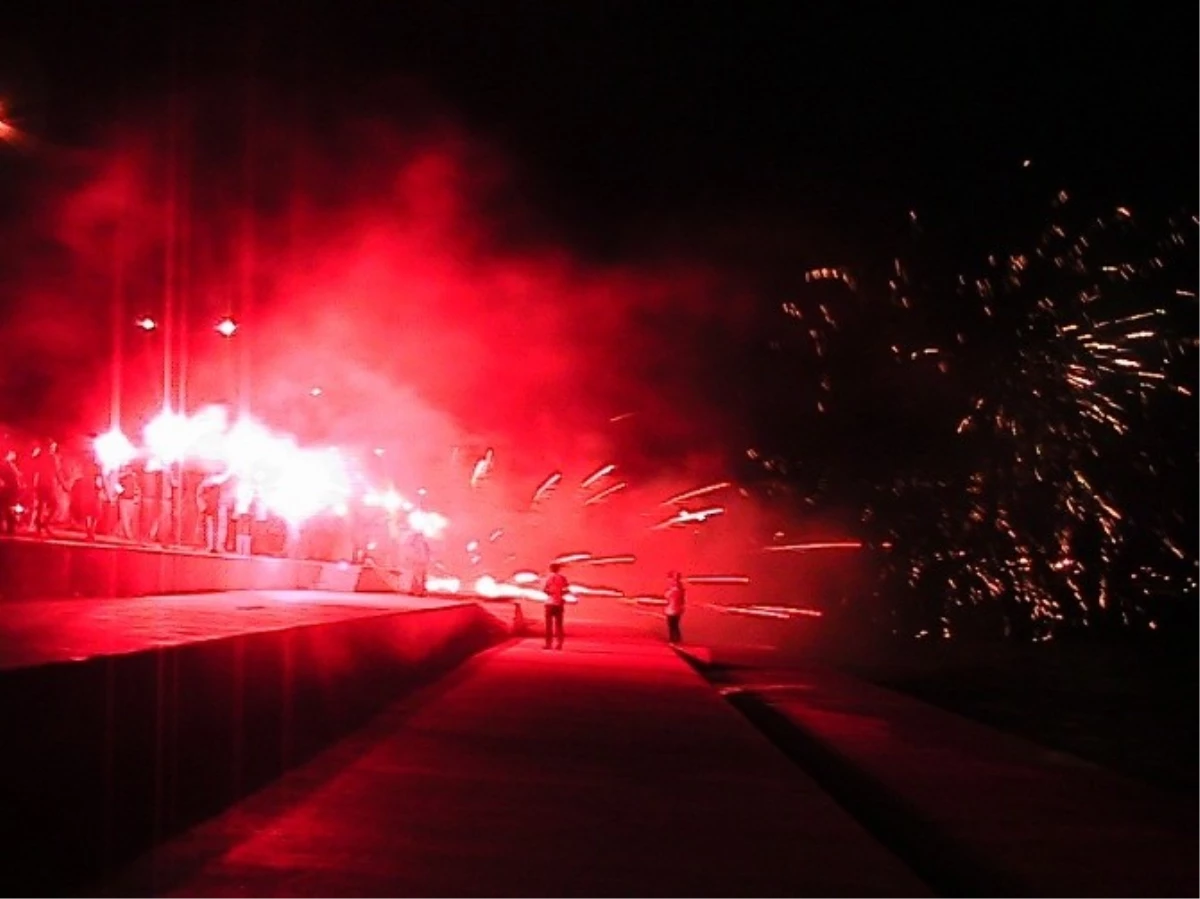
x=146 y=323
x=226 y=327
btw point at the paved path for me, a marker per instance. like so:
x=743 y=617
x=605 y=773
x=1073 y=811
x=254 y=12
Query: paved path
x=609 y=768
x=41 y=631
x=1012 y=817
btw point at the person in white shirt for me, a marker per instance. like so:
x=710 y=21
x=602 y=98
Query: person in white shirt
x=675 y=604
x=555 y=589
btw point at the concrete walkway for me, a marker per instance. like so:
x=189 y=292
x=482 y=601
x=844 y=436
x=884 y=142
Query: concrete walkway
x=43 y=631
x=609 y=768
x=999 y=814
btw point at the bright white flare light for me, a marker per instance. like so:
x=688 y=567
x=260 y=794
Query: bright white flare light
x=113 y=450
x=450 y=585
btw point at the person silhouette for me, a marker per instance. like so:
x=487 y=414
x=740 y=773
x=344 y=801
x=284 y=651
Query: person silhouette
x=555 y=589
x=676 y=596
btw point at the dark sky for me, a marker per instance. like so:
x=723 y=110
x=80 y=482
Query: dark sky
x=636 y=121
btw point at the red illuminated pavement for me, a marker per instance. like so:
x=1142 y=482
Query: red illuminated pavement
x=69 y=536
x=1051 y=824
x=609 y=768
x=37 y=632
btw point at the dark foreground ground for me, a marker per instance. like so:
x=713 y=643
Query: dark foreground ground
x=1130 y=708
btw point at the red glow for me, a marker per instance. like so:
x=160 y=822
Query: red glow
x=391 y=326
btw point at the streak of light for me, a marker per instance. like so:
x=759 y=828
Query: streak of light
x=813 y=547
x=547 y=485
x=586 y=590
x=627 y=559
x=699 y=491
x=767 y=611
x=645 y=600
x=568 y=558
x=598 y=474
x=605 y=494
x=685 y=516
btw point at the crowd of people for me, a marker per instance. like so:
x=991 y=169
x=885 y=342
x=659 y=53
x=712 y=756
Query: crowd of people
x=48 y=490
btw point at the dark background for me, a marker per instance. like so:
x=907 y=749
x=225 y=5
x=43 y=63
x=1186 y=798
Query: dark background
x=753 y=128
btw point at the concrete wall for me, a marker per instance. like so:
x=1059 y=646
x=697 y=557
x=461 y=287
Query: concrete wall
x=101 y=758
x=31 y=569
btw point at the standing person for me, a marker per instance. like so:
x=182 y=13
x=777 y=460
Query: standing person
x=420 y=563
x=243 y=519
x=150 y=483
x=213 y=512
x=555 y=589
x=46 y=478
x=675 y=603
x=85 y=497
x=10 y=493
x=129 y=498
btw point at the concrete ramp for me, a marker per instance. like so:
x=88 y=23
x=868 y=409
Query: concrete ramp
x=606 y=769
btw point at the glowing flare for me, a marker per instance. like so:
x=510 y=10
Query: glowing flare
x=431 y=524
x=113 y=450
x=445 y=585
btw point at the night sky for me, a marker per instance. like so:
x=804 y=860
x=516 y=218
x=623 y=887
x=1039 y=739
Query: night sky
x=751 y=129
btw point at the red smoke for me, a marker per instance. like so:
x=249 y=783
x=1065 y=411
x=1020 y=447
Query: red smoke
x=401 y=276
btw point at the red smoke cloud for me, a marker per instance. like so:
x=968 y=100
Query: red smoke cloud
x=403 y=278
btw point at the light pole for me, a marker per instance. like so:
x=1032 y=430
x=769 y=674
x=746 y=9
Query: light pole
x=227 y=327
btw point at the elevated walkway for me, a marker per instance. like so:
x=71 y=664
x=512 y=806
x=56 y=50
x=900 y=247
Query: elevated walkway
x=128 y=720
x=609 y=768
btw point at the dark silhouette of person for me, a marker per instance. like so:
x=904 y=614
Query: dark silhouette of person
x=85 y=497
x=555 y=589
x=10 y=493
x=420 y=562
x=44 y=466
x=676 y=597
x=129 y=498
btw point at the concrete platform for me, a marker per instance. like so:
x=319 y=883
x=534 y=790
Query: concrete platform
x=128 y=720
x=42 y=632
x=609 y=768
x=63 y=568
x=990 y=813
